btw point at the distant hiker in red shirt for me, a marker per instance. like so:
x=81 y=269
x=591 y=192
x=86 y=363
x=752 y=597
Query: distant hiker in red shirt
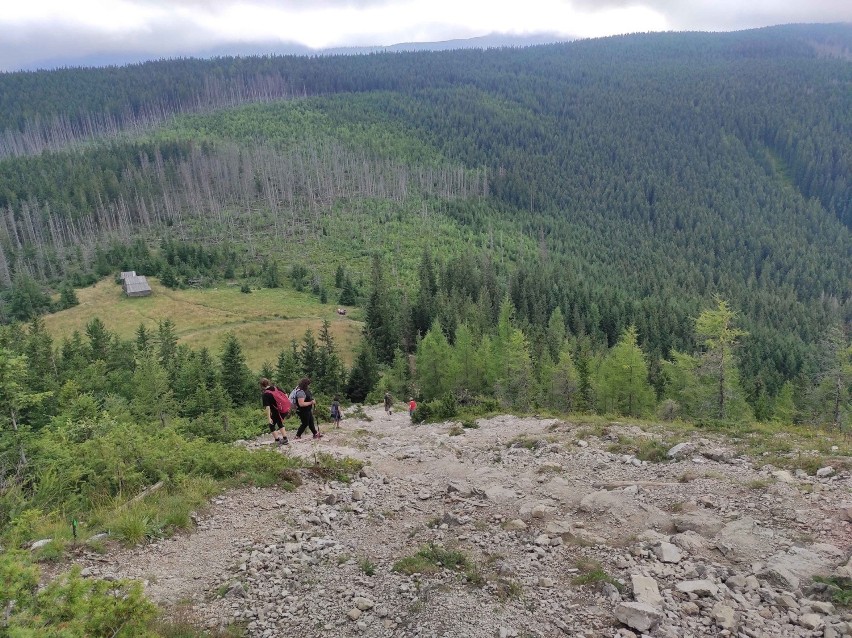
x=273 y=415
x=412 y=406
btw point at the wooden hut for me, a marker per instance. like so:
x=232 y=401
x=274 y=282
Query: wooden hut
x=135 y=285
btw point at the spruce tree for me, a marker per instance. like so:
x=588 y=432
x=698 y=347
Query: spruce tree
x=364 y=374
x=235 y=375
x=99 y=340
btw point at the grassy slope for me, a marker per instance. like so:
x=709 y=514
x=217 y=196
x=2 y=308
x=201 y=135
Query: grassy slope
x=264 y=321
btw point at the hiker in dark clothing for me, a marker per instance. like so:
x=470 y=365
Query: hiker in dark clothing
x=273 y=416
x=388 y=403
x=335 y=411
x=305 y=407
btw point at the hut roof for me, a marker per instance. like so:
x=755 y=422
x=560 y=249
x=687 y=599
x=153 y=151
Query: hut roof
x=126 y=274
x=136 y=284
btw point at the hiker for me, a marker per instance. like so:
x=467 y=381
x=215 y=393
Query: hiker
x=388 y=403
x=335 y=411
x=412 y=406
x=305 y=408
x=273 y=415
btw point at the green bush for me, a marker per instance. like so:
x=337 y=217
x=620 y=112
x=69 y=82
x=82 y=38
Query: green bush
x=70 y=606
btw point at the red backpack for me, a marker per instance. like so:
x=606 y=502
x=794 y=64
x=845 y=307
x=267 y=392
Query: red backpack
x=282 y=401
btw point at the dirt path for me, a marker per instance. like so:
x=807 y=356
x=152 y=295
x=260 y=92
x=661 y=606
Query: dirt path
x=521 y=501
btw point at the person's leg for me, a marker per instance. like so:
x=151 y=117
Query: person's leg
x=273 y=429
x=313 y=427
x=304 y=422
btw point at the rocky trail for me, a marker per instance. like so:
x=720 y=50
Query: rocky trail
x=541 y=529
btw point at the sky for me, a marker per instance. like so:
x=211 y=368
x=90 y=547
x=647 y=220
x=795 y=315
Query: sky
x=48 y=33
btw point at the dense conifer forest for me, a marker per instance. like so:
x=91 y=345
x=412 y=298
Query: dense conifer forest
x=650 y=226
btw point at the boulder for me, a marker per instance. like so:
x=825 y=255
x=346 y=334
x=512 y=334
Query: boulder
x=700 y=522
x=667 y=553
x=742 y=539
x=364 y=604
x=689 y=541
x=825 y=472
x=844 y=512
x=640 y=616
x=784 y=476
x=646 y=590
x=680 y=450
x=625 y=510
x=788 y=569
x=41 y=543
x=725 y=616
x=697 y=587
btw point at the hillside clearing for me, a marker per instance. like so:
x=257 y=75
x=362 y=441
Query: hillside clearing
x=264 y=321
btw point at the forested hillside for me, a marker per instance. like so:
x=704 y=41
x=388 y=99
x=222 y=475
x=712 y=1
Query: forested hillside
x=623 y=181
x=649 y=226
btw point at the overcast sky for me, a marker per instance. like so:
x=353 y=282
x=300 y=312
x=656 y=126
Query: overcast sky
x=38 y=33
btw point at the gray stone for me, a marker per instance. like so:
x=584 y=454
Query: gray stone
x=557 y=528
x=462 y=489
x=679 y=450
x=725 y=616
x=811 y=621
x=640 y=616
x=364 y=604
x=366 y=472
x=358 y=493
x=646 y=590
x=784 y=476
x=788 y=569
x=820 y=606
x=689 y=541
x=500 y=495
x=844 y=512
x=236 y=591
x=667 y=553
x=331 y=499
x=354 y=614
x=515 y=525
x=698 y=587
x=736 y=582
x=825 y=472
x=424 y=495
x=543 y=512
x=41 y=543
x=700 y=522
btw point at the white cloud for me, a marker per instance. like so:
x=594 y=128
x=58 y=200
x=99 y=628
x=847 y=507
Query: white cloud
x=48 y=29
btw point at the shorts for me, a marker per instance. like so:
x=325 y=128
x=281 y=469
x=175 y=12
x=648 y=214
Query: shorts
x=276 y=424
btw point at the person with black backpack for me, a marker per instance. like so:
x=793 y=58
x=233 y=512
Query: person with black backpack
x=305 y=403
x=275 y=401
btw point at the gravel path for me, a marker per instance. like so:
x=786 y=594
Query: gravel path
x=535 y=507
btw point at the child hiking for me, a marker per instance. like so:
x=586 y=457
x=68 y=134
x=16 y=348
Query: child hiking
x=305 y=408
x=335 y=411
x=273 y=401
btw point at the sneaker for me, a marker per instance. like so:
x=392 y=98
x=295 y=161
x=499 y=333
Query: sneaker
x=317 y=436
x=279 y=441
x=284 y=441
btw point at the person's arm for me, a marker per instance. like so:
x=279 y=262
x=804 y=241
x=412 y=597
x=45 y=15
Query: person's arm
x=268 y=413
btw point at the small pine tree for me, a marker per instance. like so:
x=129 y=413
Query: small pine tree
x=364 y=374
x=235 y=374
x=68 y=297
